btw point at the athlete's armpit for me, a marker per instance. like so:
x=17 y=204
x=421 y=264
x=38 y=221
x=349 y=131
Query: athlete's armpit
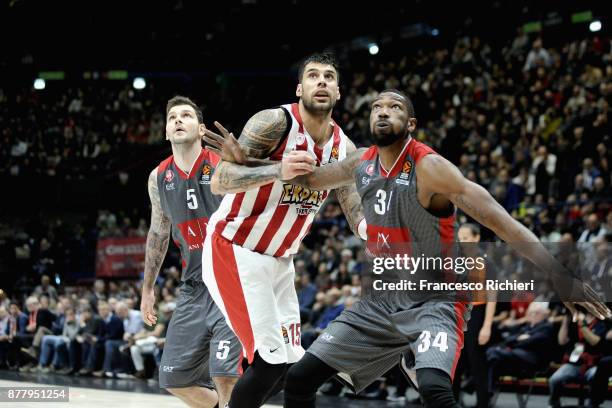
x=262 y=133
x=158 y=236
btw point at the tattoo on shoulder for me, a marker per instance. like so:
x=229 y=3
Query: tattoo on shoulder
x=262 y=132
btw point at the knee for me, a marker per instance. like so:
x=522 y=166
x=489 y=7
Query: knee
x=435 y=388
x=225 y=384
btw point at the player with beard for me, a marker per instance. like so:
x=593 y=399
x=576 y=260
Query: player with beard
x=251 y=239
x=409 y=195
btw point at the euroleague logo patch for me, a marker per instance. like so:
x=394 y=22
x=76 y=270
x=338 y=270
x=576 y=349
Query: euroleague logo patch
x=206 y=173
x=404 y=176
x=335 y=153
x=370 y=170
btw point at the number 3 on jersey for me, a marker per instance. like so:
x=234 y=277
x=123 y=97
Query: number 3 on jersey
x=192 y=200
x=382 y=206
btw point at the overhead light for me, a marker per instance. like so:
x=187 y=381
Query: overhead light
x=39 y=84
x=435 y=32
x=595 y=26
x=373 y=48
x=139 y=83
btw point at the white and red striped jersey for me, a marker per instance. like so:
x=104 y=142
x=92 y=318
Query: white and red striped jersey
x=274 y=218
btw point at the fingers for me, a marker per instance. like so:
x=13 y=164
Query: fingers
x=572 y=310
x=213 y=149
x=223 y=130
x=301 y=156
x=214 y=136
x=213 y=142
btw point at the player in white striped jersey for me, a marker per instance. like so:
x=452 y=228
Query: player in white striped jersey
x=251 y=239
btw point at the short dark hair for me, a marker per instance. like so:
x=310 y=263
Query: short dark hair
x=183 y=100
x=474 y=229
x=407 y=100
x=325 y=58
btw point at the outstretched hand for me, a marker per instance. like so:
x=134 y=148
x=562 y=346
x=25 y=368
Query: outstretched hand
x=592 y=303
x=225 y=145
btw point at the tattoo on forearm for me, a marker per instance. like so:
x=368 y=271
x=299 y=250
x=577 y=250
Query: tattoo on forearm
x=464 y=203
x=158 y=236
x=262 y=132
x=234 y=178
x=350 y=202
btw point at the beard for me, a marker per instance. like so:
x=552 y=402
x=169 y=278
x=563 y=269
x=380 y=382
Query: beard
x=382 y=138
x=317 y=108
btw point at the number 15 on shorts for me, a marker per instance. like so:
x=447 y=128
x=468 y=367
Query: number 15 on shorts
x=440 y=341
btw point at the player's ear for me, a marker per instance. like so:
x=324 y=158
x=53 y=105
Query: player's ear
x=167 y=138
x=298 y=91
x=412 y=123
x=201 y=129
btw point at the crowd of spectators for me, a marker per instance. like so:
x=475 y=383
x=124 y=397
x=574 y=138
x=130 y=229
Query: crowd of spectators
x=527 y=121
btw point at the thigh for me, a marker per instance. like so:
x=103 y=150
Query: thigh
x=361 y=344
x=184 y=360
x=225 y=359
x=241 y=286
x=435 y=331
x=288 y=308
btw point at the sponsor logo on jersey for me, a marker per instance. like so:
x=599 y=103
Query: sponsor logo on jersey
x=170 y=186
x=167 y=369
x=382 y=241
x=169 y=176
x=285 y=334
x=370 y=170
x=306 y=200
x=365 y=181
x=404 y=176
x=206 y=174
x=326 y=337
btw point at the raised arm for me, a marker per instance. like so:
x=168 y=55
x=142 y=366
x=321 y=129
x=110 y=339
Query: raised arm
x=157 y=245
x=260 y=136
x=438 y=176
x=333 y=175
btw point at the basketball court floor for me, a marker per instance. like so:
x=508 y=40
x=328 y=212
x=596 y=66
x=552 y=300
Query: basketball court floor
x=86 y=392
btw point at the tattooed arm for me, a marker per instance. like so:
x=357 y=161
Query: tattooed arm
x=349 y=199
x=157 y=245
x=260 y=136
x=437 y=175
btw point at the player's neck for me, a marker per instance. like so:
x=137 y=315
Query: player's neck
x=319 y=127
x=185 y=155
x=388 y=154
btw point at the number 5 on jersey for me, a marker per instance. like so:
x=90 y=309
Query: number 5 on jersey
x=192 y=200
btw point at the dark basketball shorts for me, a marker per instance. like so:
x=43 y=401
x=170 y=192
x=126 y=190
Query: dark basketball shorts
x=199 y=344
x=365 y=341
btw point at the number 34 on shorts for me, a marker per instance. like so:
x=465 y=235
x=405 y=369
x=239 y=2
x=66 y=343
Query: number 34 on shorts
x=440 y=341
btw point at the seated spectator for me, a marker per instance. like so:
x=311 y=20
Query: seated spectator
x=603 y=371
x=110 y=341
x=583 y=336
x=4 y=338
x=81 y=351
x=333 y=306
x=44 y=319
x=524 y=352
x=45 y=288
x=18 y=321
x=54 y=349
x=146 y=341
x=306 y=293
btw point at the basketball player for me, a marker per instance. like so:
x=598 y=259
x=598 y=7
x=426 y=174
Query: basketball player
x=409 y=195
x=248 y=255
x=199 y=344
